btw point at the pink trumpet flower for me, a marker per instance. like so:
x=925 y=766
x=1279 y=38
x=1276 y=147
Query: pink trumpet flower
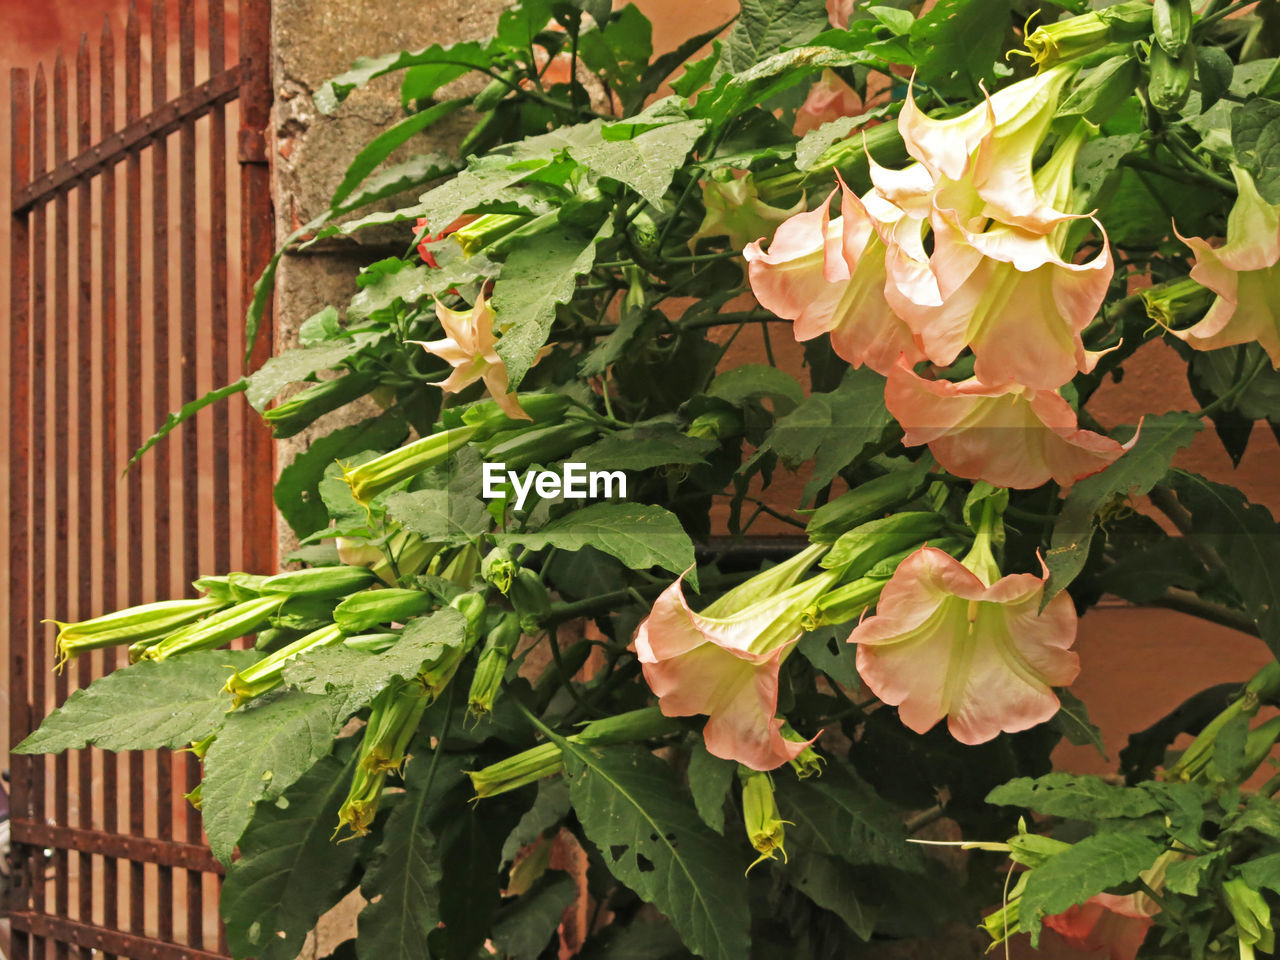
x=1106 y=921
x=829 y=99
x=829 y=276
x=469 y=346
x=724 y=661
x=1008 y=435
x=956 y=640
x=1244 y=273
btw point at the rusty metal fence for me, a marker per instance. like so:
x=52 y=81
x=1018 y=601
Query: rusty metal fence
x=136 y=234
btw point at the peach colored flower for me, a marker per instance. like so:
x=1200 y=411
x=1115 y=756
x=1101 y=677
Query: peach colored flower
x=1009 y=435
x=724 y=662
x=469 y=346
x=829 y=276
x=1244 y=273
x=829 y=99
x=839 y=12
x=1106 y=921
x=946 y=643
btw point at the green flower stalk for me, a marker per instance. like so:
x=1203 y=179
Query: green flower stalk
x=492 y=666
x=215 y=630
x=394 y=717
x=150 y=622
x=268 y=673
x=382 y=473
x=1076 y=37
x=760 y=816
x=545 y=759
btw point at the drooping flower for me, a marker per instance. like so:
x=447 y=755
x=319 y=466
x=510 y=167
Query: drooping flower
x=829 y=99
x=951 y=640
x=469 y=346
x=735 y=210
x=1106 y=921
x=1008 y=435
x=1244 y=273
x=829 y=276
x=724 y=662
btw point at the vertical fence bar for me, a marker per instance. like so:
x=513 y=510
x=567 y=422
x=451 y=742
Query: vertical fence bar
x=219 y=294
x=58 y=334
x=87 y=571
x=255 y=251
x=134 y=414
x=110 y=471
x=39 y=488
x=20 y=462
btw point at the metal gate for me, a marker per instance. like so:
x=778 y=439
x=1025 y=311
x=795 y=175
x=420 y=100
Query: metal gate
x=130 y=266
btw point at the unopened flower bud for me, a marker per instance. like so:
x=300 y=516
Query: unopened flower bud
x=149 y=622
x=380 y=474
x=760 y=816
x=498 y=568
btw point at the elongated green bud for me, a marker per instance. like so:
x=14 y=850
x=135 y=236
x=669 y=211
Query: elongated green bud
x=498 y=569
x=366 y=609
x=435 y=676
x=541 y=444
x=215 y=630
x=860 y=549
x=867 y=501
x=267 y=673
x=489 y=420
x=1264 y=685
x=1169 y=82
x=319 y=581
x=482 y=231
x=148 y=622
x=196 y=796
x=1075 y=37
x=1171 y=24
x=760 y=816
x=492 y=666
x=808 y=763
x=372 y=642
x=463 y=568
x=300 y=411
x=530 y=598
x=1178 y=303
x=382 y=473
x=545 y=760
x=395 y=715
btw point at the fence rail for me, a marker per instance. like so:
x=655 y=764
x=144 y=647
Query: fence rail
x=130 y=264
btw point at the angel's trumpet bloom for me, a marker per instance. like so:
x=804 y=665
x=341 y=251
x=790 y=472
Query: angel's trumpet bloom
x=829 y=276
x=951 y=640
x=829 y=99
x=735 y=210
x=1009 y=435
x=724 y=661
x=1244 y=273
x=470 y=347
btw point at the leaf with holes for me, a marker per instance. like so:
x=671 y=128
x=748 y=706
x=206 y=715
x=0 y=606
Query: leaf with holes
x=652 y=840
x=169 y=703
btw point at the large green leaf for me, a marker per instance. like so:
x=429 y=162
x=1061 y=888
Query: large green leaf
x=523 y=928
x=1255 y=135
x=1134 y=474
x=646 y=162
x=146 y=706
x=710 y=779
x=352 y=678
x=290 y=871
x=261 y=750
x=641 y=535
x=957 y=44
x=301 y=362
x=185 y=413
x=441 y=65
x=1074 y=797
x=1246 y=538
x=765 y=26
x=645 y=447
x=449 y=510
x=652 y=840
x=1083 y=869
x=536 y=277
x=830 y=883
x=840 y=815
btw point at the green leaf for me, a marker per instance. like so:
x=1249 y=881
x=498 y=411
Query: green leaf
x=709 y=781
x=1102 y=89
x=297 y=491
x=1097 y=160
x=641 y=535
x=145 y=706
x=484 y=178
x=832 y=429
x=548 y=810
x=665 y=65
x=261 y=750
x=1077 y=873
x=300 y=363
x=1213 y=70
x=351 y=678
x=828 y=650
x=1262 y=873
x=444 y=64
x=1072 y=720
x=645 y=162
x=958 y=43
x=764 y=27
x=1134 y=474
x=645 y=447
x=187 y=411
x=1074 y=797
x=450 y=511
x=289 y=871
x=524 y=927
x=391 y=281
x=754 y=380
x=1255 y=135
x=652 y=840
x=1246 y=538
x=381 y=146
x=621 y=51
x=830 y=883
x=839 y=815
x=1185 y=876
x=697 y=74
x=536 y=277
